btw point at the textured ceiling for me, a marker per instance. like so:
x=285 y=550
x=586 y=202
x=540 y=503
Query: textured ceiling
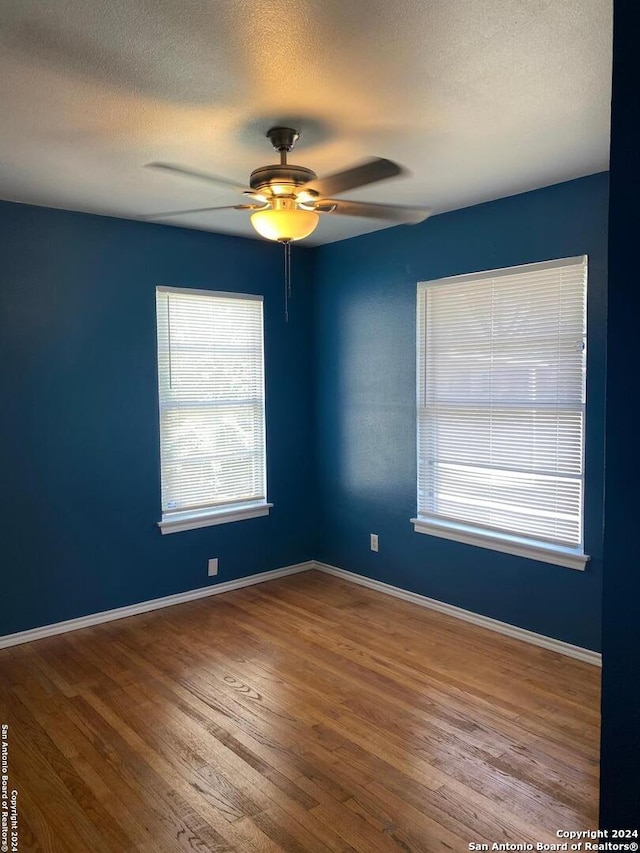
x=479 y=99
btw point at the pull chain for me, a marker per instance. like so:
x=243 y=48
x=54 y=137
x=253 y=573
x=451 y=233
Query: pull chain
x=287 y=278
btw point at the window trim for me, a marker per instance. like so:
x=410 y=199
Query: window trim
x=192 y=519
x=485 y=537
x=519 y=546
x=178 y=521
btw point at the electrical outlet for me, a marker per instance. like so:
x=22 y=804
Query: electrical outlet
x=213 y=567
x=374 y=541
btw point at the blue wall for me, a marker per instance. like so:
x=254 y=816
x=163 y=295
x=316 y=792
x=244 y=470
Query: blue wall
x=79 y=427
x=620 y=753
x=365 y=294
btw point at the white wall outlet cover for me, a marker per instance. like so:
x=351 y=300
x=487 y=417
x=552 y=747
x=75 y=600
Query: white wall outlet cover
x=374 y=541
x=213 y=567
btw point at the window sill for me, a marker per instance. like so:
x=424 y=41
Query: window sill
x=192 y=520
x=519 y=546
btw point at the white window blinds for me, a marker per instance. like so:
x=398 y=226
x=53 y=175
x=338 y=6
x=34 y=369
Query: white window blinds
x=501 y=395
x=211 y=393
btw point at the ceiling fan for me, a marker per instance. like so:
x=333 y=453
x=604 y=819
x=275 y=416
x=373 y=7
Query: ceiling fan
x=286 y=199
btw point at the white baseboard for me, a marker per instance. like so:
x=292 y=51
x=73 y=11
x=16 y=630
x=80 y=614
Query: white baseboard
x=145 y=606
x=586 y=655
x=550 y=643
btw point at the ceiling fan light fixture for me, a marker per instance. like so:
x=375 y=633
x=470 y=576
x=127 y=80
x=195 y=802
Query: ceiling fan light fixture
x=285 y=225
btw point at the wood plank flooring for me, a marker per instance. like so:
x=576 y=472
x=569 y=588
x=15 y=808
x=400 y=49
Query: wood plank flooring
x=304 y=714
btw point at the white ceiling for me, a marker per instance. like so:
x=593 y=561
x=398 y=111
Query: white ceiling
x=479 y=99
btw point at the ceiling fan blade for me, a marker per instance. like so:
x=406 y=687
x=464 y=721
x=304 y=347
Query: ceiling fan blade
x=167 y=213
x=392 y=212
x=368 y=172
x=194 y=173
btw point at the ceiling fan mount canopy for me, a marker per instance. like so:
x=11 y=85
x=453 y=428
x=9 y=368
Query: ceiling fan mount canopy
x=283 y=138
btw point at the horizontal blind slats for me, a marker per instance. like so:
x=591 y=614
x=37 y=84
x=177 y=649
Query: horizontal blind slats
x=211 y=391
x=501 y=394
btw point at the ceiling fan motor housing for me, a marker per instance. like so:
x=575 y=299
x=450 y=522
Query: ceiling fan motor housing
x=280 y=175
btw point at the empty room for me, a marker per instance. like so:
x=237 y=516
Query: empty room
x=317 y=326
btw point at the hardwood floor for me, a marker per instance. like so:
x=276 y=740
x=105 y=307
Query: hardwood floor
x=303 y=714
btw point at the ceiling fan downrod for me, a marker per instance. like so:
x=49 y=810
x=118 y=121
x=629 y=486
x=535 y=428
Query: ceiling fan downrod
x=283 y=139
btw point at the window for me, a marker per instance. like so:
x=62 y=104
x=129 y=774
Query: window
x=501 y=398
x=211 y=394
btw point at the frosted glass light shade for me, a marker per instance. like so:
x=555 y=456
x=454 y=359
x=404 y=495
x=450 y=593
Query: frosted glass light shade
x=285 y=225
